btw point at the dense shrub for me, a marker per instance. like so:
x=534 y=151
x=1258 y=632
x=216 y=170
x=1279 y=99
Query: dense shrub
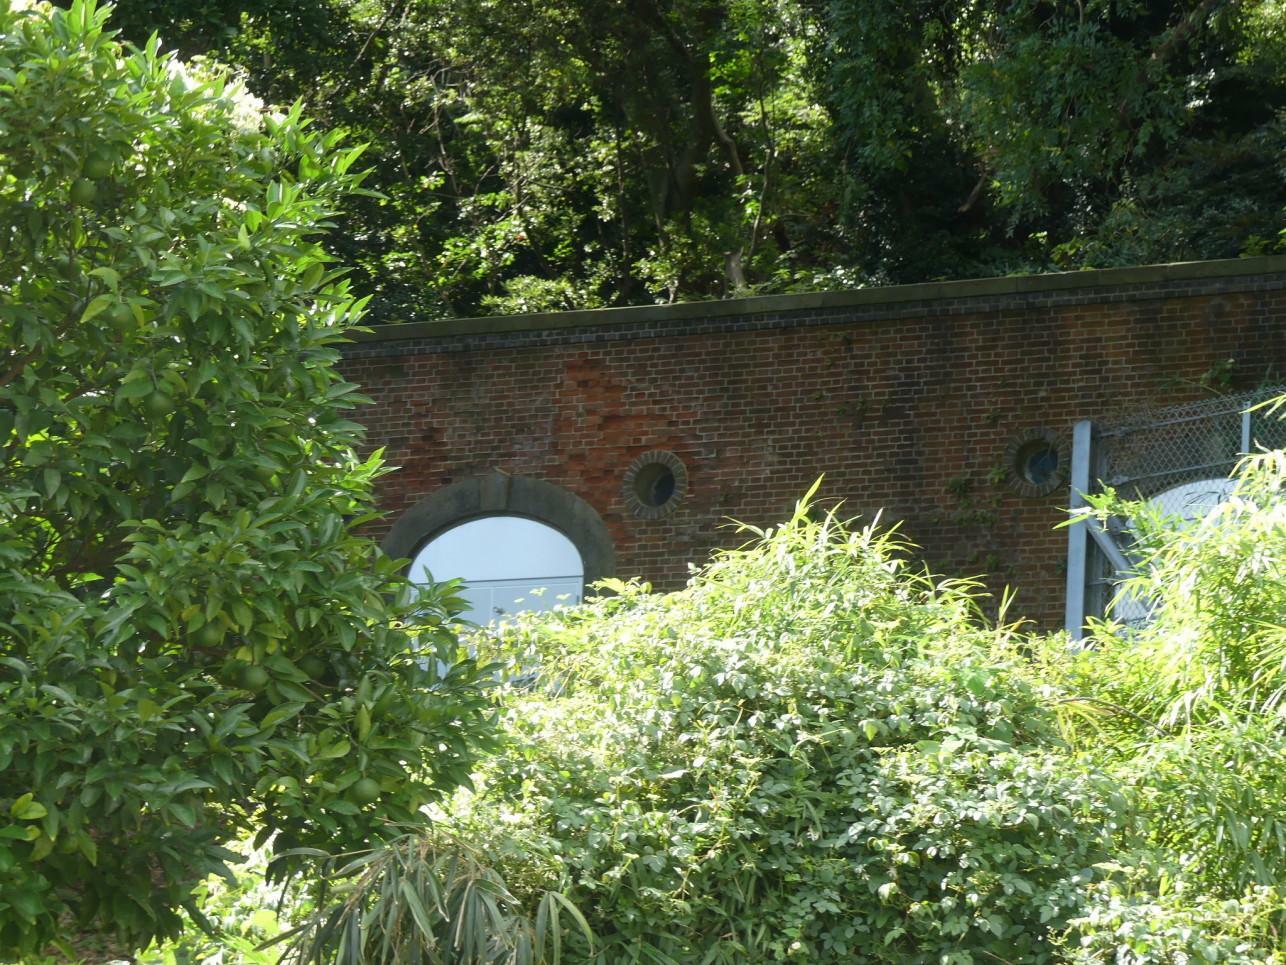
x=1189 y=711
x=815 y=753
x=811 y=753
x=195 y=642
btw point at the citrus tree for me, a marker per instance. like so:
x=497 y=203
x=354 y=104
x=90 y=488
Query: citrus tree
x=194 y=641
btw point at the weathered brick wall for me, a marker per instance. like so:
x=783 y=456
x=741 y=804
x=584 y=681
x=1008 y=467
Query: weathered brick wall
x=905 y=398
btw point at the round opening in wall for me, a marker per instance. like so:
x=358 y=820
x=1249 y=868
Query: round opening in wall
x=1036 y=462
x=655 y=484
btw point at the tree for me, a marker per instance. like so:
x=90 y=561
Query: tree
x=195 y=642
x=982 y=138
x=566 y=153
x=551 y=154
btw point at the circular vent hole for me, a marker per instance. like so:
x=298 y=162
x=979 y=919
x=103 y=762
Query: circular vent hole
x=1037 y=462
x=655 y=485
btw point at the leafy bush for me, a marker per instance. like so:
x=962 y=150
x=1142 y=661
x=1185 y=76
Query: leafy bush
x=1187 y=713
x=1208 y=672
x=811 y=753
x=195 y=645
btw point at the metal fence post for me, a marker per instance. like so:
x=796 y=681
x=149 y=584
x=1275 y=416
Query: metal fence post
x=1078 y=535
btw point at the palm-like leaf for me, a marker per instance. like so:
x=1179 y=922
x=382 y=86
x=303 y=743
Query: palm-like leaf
x=428 y=898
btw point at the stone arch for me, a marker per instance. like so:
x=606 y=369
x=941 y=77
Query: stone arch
x=500 y=494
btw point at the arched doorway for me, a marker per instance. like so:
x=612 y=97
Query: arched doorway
x=563 y=540
x=510 y=564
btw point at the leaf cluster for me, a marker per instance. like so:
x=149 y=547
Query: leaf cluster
x=195 y=642
x=570 y=154
x=429 y=897
x=812 y=753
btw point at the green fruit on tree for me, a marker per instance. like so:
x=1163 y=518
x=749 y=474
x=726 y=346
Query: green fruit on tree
x=157 y=403
x=83 y=191
x=120 y=315
x=254 y=678
x=98 y=166
x=210 y=635
x=365 y=791
x=313 y=665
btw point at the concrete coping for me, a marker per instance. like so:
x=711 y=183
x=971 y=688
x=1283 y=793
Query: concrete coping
x=1015 y=285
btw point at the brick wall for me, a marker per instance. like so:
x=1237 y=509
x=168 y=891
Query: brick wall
x=905 y=398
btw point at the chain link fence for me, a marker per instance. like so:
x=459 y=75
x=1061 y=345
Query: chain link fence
x=1168 y=455
x=1177 y=458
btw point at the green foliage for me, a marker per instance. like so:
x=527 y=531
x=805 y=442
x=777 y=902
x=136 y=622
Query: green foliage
x=1127 y=921
x=576 y=153
x=1188 y=711
x=194 y=642
x=812 y=753
x=430 y=897
x=246 y=914
x=1209 y=672
x=1029 y=135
